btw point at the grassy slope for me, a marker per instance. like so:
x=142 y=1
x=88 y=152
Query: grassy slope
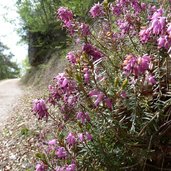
x=42 y=75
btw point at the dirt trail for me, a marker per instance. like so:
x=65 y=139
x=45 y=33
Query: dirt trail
x=10 y=91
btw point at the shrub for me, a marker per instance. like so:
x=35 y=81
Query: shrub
x=111 y=105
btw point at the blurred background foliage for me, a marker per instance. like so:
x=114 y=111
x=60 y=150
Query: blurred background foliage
x=8 y=68
x=40 y=28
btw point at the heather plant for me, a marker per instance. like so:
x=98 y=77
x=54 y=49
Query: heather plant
x=111 y=105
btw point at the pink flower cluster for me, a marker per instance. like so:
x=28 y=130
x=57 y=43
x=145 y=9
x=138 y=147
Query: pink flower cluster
x=92 y=51
x=100 y=97
x=66 y=16
x=138 y=66
x=40 y=167
x=97 y=10
x=71 y=167
x=71 y=57
x=85 y=29
x=64 y=89
x=121 y=6
x=39 y=108
x=159 y=28
x=73 y=139
x=83 y=117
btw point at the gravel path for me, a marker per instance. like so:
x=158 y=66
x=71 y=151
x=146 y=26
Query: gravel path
x=10 y=91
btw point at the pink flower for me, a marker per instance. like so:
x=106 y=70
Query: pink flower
x=92 y=51
x=39 y=107
x=71 y=167
x=65 y=14
x=40 y=167
x=157 y=14
x=85 y=30
x=117 y=9
x=108 y=103
x=97 y=10
x=88 y=136
x=155 y=26
x=71 y=140
x=123 y=94
x=71 y=57
x=164 y=42
x=81 y=137
x=144 y=35
x=86 y=75
x=151 y=80
x=144 y=63
x=130 y=65
x=83 y=117
x=158 y=22
x=61 y=152
x=52 y=142
x=98 y=95
x=58 y=168
x=136 y=65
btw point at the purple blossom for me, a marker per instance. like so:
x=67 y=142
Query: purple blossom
x=158 y=22
x=144 y=35
x=52 y=142
x=40 y=167
x=136 y=65
x=161 y=42
x=70 y=139
x=65 y=14
x=71 y=57
x=129 y=65
x=157 y=14
x=124 y=26
x=97 y=10
x=144 y=63
x=92 y=51
x=61 y=152
x=151 y=79
x=88 y=136
x=85 y=30
x=58 y=168
x=117 y=9
x=83 y=117
x=64 y=83
x=99 y=96
x=81 y=137
x=164 y=42
x=39 y=107
x=71 y=167
x=109 y=103
x=123 y=94
x=86 y=74
x=137 y=6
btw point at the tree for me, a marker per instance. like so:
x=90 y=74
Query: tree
x=8 y=68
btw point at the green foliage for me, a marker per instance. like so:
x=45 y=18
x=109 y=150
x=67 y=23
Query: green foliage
x=8 y=69
x=79 y=7
x=25 y=66
x=39 y=16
